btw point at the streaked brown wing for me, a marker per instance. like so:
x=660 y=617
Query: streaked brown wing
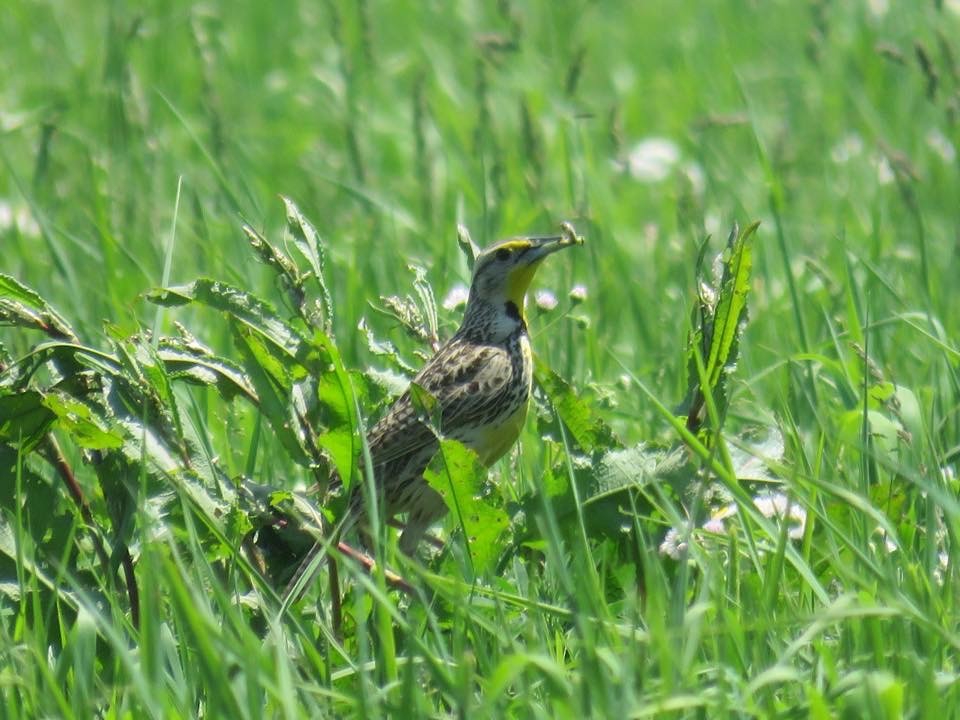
x=463 y=380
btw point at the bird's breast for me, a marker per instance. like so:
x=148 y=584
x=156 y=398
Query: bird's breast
x=492 y=440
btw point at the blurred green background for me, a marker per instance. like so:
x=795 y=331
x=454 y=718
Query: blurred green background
x=648 y=124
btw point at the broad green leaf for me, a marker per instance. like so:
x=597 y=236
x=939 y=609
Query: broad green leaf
x=14 y=460
x=223 y=374
x=426 y=405
x=24 y=419
x=337 y=423
x=731 y=310
x=384 y=348
x=588 y=429
x=23 y=307
x=718 y=322
x=246 y=308
x=273 y=386
x=457 y=474
x=884 y=432
x=48 y=532
x=630 y=468
x=28 y=556
x=81 y=423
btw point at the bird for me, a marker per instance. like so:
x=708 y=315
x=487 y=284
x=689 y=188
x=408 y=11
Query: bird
x=480 y=380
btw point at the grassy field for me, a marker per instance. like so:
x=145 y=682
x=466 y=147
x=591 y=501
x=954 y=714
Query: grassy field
x=135 y=144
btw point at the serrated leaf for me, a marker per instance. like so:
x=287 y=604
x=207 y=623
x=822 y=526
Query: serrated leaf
x=79 y=421
x=246 y=308
x=426 y=405
x=271 y=256
x=717 y=325
x=273 y=387
x=339 y=436
x=24 y=419
x=24 y=307
x=588 y=429
x=13 y=548
x=308 y=243
x=631 y=467
x=306 y=238
x=731 y=309
x=384 y=348
x=427 y=299
x=211 y=370
x=457 y=474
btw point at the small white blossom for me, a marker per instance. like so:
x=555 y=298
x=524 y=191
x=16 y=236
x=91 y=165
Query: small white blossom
x=672 y=545
x=878 y=8
x=778 y=505
x=19 y=217
x=545 y=300
x=889 y=544
x=457 y=297
x=715 y=525
x=696 y=177
x=578 y=293
x=849 y=147
x=885 y=174
x=941 y=145
x=6 y=215
x=943 y=562
x=652 y=160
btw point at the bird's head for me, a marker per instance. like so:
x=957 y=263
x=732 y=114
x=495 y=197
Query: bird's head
x=503 y=272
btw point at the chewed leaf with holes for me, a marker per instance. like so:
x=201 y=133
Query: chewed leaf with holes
x=457 y=474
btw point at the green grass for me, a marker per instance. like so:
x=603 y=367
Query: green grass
x=134 y=144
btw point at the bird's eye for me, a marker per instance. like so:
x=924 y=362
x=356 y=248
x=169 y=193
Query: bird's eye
x=503 y=254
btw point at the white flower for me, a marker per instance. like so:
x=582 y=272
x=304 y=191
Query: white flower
x=778 y=505
x=715 y=525
x=943 y=562
x=19 y=217
x=941 y=145
x=889 y=544
x=849 y=147
x=696 y=177
x=651 y=160
x=878 y=8
x=6 y=215
x=457 y=297
x=885 y=174
x=672 y=545
x=545 y=300
x=716 y=522
x=578 y=293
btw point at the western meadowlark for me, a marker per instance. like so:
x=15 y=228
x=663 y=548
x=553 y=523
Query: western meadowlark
x=480 y=379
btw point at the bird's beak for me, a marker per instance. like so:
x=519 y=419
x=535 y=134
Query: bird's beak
x=544 y=245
